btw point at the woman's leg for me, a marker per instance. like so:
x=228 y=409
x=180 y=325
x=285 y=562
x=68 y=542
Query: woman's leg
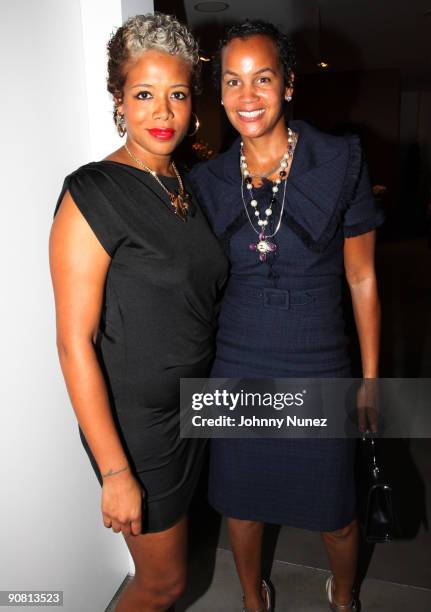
x=160 y=570
x=246 y=542
x=342 y=548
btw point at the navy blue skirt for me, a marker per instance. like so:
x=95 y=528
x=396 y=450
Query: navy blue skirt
x=306 y=483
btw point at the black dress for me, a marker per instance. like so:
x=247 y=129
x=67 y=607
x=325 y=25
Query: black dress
x=284 y=318
x=157 y=325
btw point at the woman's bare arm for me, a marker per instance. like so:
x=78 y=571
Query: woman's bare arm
x=79 y=265
x=361 y=277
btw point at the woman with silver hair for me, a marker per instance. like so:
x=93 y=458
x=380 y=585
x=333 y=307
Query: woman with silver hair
x=136 y=307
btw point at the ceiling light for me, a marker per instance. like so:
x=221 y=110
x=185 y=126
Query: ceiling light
x=211 y=7
x=323 y=65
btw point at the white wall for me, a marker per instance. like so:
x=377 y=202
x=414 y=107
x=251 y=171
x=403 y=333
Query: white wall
x=99 y=19
x=55 y=117
x=136 y=7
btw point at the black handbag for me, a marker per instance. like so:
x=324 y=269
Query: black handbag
x=376 y=508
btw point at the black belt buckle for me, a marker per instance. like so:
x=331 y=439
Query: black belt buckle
x=276 y=298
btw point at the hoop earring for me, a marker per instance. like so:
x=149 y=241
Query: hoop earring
x=197 y=125
x=120 y=123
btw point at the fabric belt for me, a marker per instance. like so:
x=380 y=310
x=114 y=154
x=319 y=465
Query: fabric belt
x=282 y=298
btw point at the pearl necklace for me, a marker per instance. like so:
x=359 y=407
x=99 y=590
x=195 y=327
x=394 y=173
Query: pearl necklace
x=263 y=246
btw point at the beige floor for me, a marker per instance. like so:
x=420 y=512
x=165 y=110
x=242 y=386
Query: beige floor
x=298 y=589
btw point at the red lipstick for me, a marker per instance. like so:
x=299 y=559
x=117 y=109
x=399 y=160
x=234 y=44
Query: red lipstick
x=162 y=133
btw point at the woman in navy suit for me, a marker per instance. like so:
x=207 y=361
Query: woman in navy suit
x=295 y=212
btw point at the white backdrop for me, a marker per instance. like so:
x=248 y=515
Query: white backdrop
x=56 y=116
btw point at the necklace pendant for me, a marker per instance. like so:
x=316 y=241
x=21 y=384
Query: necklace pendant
x=263 y=247
x=180 y=204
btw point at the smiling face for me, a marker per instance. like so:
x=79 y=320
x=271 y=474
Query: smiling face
x=253 y=89
x=156 y=103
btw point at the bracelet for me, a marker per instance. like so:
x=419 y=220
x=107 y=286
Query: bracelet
x=112 y=472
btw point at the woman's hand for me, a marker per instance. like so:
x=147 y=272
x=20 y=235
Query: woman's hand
x=367 y=405
x=122 y=497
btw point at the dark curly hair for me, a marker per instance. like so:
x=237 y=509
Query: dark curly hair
x=283 y=42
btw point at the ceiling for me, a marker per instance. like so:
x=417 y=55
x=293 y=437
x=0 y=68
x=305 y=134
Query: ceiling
x=355 y=34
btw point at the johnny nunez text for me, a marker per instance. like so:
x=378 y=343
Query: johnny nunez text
x=229 y=421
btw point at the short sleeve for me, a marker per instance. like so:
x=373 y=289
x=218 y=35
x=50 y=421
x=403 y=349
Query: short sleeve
x=362 y=214
x=91 y=193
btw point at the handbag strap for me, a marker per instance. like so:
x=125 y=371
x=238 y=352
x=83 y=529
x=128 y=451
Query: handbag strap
x=370 y=439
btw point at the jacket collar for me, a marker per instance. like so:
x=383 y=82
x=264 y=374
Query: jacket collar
x=313 y=150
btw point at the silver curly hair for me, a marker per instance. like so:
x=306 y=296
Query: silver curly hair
x=162 y=32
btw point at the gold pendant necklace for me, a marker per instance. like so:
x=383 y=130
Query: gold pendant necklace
x=179 y=200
